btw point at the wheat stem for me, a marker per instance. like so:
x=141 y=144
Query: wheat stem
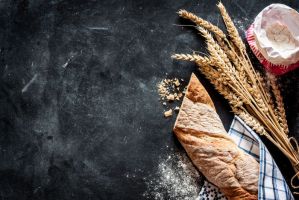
x=201 y=22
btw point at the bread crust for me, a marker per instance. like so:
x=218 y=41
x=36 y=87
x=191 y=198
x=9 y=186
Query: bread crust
x=201 y=133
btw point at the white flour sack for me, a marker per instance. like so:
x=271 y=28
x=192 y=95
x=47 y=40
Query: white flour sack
x=276 y=33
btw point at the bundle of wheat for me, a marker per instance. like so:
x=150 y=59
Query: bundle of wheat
x=255 y=99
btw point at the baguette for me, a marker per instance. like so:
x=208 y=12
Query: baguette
x=201 y=133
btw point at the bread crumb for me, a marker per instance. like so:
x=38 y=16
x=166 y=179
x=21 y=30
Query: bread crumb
x=168 y=113
x=169 y=87
x=184 y=91
x=177 y=108
x=170 y=97
x=170 y=90
x=177 y=82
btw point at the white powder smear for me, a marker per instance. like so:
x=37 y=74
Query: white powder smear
x=176 y=178
x=241 y=24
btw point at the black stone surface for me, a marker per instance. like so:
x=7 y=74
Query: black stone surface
x=79 y=109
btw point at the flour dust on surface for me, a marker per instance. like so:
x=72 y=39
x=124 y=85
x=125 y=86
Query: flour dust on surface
x=176 y=178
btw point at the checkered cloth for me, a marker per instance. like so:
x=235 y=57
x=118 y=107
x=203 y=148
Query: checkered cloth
x=272 y=185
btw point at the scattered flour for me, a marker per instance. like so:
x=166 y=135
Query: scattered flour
x=176 y=178
x=242 y=24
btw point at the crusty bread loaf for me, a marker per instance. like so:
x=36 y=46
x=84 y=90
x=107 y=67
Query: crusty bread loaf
x=201 y=132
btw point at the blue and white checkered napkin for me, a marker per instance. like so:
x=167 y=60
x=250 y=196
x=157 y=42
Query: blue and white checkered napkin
x=272 y=185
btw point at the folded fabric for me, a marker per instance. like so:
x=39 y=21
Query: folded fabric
x=272 y=185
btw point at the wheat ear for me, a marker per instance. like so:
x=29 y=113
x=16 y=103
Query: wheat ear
x=193 y=58
x=231 y=29
x=201 y=22
x=279 y=103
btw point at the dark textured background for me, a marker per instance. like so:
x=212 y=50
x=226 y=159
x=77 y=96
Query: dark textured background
x=79 y=110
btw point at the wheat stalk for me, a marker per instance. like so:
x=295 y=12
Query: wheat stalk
x=201 y=22
x=231 y=29
x=251 y=121
x=279 y=102
x=193 y=58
